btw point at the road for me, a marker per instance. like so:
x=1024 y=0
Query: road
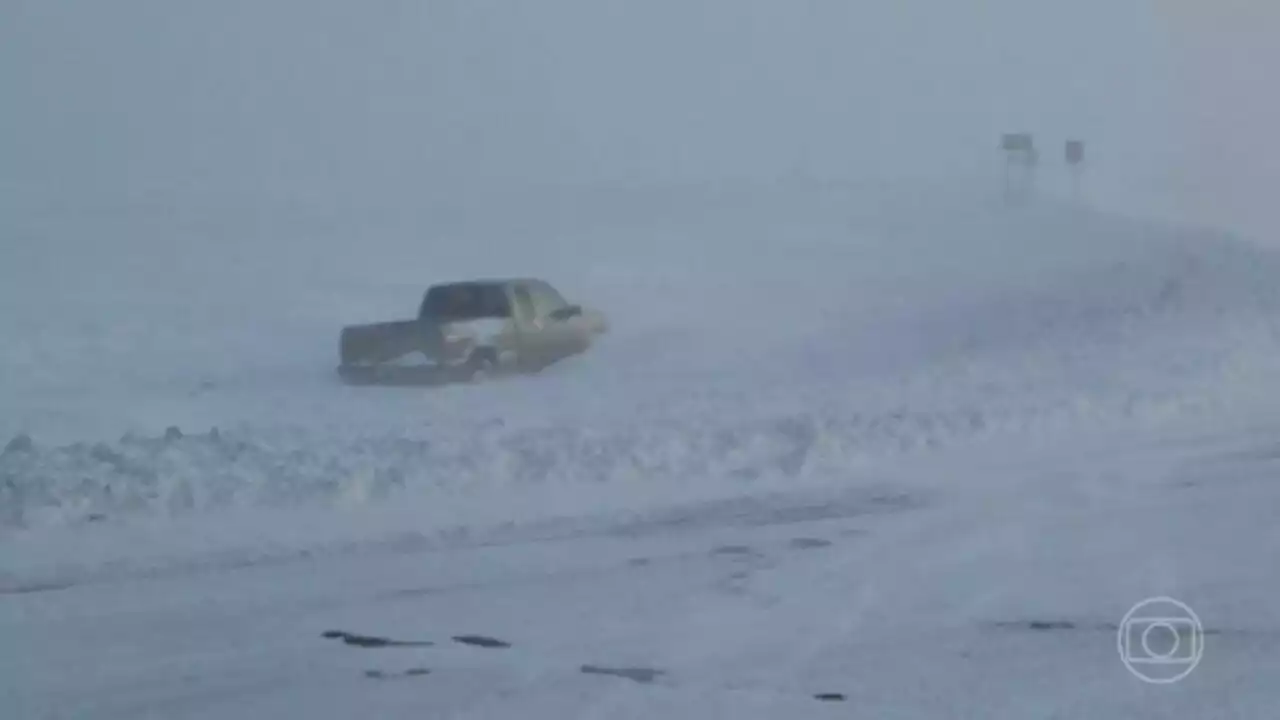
x=985 y=590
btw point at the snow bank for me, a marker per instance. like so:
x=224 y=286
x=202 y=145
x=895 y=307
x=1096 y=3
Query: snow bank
x=179 y=475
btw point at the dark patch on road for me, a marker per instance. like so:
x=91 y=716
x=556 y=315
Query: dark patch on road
x=1040 y=625
x=829 y=697
x=370 y=641
x=747 y=559
x=383 y=675
x=735 y=583
x=1051 y=625
x=1060 y=625
x=803 y=543
x=35 y=587
x=641 y=675
x=1043 y=625
x=734 y=550
x=481 y=641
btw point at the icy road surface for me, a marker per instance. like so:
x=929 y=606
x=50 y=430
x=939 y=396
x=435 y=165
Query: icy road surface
x=908 y=450
x=974 y=589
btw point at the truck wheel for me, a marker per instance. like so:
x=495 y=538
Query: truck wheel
x=480 y=364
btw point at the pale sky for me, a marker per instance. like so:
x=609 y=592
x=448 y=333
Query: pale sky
x=1227 y=55
x=326 y=101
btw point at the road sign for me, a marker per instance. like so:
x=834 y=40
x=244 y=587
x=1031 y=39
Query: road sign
x=1075 y=152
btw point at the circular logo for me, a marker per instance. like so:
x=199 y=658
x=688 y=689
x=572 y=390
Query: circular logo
x=1160 y=640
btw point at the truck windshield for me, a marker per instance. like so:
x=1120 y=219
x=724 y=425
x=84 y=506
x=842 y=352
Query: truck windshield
x=465 y=301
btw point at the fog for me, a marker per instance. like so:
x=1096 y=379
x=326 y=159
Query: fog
x=246 y=103
x=1226 y=54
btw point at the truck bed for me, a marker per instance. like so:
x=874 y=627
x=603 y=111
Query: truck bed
x=376 y=343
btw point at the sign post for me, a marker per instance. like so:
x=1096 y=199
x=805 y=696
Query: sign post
x=1075 y=162
x=1019 y=166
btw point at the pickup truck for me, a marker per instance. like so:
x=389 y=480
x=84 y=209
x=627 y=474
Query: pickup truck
x=468 y=331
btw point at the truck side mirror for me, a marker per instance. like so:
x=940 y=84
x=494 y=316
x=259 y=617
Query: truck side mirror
x=566 y=312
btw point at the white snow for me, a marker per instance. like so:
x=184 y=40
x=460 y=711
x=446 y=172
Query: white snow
x=840 y=438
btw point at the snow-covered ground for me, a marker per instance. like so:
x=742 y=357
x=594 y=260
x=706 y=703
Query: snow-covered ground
x=912 y=447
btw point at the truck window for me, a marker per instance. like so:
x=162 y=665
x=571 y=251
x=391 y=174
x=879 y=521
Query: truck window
x=545 y=299
x=466 y=301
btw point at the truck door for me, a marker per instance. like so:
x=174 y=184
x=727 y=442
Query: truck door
x=523 y=310
x=562 y=335
x=529 y=345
